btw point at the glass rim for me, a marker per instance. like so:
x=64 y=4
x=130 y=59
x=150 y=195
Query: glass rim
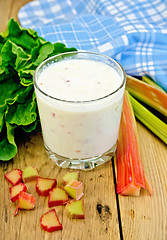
x=78 y=101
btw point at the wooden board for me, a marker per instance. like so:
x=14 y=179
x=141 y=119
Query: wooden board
x=108 y=216
x=101 y=220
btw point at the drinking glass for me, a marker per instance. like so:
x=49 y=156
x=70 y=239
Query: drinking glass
x=80 y=134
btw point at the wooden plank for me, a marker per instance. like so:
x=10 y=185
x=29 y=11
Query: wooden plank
x=5 y=12
x=99 y=223
x=144 y=217
x=16 y=6
x=9 y=9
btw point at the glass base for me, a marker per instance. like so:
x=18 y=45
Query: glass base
x=81 y=164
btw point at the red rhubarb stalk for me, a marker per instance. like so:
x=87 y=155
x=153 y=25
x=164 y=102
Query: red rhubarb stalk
x=130 y=173
x=147 y=94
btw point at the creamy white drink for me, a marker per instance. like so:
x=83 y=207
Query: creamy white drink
x=80 y=103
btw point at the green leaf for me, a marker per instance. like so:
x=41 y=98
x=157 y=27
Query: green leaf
x=33 y=126
x=21 y=51
x=22 y=114
x=10 y=90
x=7 y=145
x=14 y=55
x=13 y=28
x=44 y=51
x=20 y=36
x=2 y=113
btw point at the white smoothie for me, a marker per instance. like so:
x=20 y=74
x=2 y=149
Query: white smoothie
x=73 y=125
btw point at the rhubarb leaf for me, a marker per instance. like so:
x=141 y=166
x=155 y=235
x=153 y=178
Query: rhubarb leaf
x=7 y=145
x=22 y=114
x=21 y=51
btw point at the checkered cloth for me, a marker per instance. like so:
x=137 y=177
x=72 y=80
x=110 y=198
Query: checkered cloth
x=132 y=32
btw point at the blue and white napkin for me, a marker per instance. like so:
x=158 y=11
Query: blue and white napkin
x=132 y=32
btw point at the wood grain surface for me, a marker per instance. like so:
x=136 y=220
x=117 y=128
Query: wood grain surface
x=107 y=215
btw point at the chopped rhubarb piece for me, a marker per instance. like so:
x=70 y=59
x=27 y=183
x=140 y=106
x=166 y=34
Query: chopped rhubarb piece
x=75 y=209
x=15 y=190
x=147 y=94
x=73 y=175
x=44 y=185
x=57 y=196
x=50 y=222
x=26 y=201
x=29 y=174
x=14 y=176
x=130 y=173
x=74 y=189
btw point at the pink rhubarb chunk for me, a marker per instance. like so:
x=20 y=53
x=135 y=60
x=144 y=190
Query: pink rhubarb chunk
x=75 y=209
x=57 y=197
x=26 y=201
x=15 y=190
x=44 y=185
x=50 y=222
x=14 y=176
x=29 y=174
x=74 y=189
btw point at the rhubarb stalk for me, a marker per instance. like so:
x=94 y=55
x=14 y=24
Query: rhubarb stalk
x=130 y=172
x=147 y=94
x=152 y=83
x=152 y=122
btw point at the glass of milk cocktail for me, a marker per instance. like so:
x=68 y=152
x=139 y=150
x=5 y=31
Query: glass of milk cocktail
x=79 y=97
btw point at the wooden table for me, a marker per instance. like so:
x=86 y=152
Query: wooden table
x=108 y=216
